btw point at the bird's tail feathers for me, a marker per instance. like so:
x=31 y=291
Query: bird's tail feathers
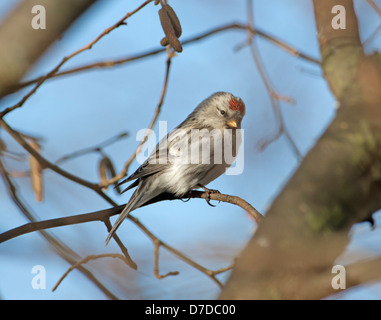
x=131 y=205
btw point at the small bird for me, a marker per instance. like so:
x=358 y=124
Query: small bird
x=192 y=155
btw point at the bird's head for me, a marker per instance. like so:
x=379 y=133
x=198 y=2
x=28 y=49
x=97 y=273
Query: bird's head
x=222 y=110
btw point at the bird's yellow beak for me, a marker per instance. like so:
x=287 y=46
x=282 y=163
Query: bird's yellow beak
x=232 y=124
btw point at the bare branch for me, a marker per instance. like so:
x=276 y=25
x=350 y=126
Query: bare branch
x=79 y=264
x=96 y=148
x=274 y=96
x=103 y=215
x=374 y=6
x=157 y=244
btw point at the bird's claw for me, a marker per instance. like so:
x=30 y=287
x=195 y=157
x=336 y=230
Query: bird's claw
x=208 y=202
x=208 y=192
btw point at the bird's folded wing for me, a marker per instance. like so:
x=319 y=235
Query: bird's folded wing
x=150 y=166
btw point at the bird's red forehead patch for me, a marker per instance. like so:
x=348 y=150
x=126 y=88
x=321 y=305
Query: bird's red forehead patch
x=237 y=105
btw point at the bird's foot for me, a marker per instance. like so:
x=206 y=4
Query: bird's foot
x=208 y=193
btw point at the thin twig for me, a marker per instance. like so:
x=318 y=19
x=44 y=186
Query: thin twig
x=372 y=36
x=274 y=96
x=222 y=270
x=131 y=263
x=374 y=6
x=157 y=244
x=79 y=264
x=175 y=252
x=95 y=148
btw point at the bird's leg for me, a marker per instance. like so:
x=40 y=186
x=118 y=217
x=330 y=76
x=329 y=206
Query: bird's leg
x=208 y=193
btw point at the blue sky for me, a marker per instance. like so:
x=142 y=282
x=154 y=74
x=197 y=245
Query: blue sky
x=82 y=110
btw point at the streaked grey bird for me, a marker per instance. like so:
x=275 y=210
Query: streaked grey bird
x=192 y=155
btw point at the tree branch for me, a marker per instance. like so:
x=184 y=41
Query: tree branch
x=78 y=265
x=274 y=96
x=104 y=215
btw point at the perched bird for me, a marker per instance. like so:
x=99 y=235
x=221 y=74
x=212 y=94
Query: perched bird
x=192 y=155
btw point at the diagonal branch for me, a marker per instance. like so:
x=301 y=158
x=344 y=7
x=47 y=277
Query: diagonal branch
x=274 y=96
x=78 y=265
x=374 y=6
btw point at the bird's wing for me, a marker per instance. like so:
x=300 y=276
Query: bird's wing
x=145 y=170
x=181 y=145
x=151 y=165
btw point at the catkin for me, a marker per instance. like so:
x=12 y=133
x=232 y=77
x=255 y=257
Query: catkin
x=169 y=30
x=174 y=20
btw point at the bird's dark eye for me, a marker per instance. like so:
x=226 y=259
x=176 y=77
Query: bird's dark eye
x=222 y=112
